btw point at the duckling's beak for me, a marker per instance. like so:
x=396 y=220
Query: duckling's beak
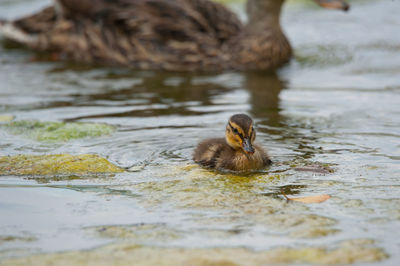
x=333 y=4
x=247 y=147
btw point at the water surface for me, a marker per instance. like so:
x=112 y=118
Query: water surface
x=336 y=104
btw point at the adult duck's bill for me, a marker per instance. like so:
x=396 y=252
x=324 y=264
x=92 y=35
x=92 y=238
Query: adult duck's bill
x=247 y=147
x=333 y=4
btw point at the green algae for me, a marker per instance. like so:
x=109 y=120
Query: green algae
x=347 y=252
x=6 y=239
x=242 y=198
x=139 y=232
x=6 y=118
x=57 y=131
x=150 y=234
x=391 y=207
x=56 y=164
x=315 y=167
x=300 y=225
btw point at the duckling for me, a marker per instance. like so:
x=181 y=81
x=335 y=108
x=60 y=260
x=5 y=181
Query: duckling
x=235 y=152
x=173 y=35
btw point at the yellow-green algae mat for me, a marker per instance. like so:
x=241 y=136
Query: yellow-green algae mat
x=6 y=118
x=354 y=251
x=240 y=198
x=56 y=164
x=57 y=131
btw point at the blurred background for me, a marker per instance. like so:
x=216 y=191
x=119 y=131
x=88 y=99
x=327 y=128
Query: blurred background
x=335 y=104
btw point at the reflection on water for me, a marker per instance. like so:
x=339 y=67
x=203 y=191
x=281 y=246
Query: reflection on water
x=162 y=95
x=335 y=106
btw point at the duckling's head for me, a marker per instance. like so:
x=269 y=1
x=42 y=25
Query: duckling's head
x=240 y=133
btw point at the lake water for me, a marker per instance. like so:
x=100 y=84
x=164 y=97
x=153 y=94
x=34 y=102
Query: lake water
x=337 y=104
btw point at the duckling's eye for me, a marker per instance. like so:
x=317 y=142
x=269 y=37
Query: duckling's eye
x=235 y=131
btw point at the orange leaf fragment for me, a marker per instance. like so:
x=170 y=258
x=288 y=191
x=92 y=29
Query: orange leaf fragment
x=310 y=199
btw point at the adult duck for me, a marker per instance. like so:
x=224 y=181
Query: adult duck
x=174 y=35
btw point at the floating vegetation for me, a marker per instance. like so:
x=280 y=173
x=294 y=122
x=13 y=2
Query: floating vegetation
x=56 y=164
x=57 y=131
x=6 y=118
x=347 y=252
x=242 y=198
x=314 y=167
x=139 y=232
x=5 y=239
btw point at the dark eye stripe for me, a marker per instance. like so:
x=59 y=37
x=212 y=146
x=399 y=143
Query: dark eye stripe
x=236 y=131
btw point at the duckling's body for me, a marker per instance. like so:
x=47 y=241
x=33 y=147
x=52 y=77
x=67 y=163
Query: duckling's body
x=216 y=153
x=176 y=35
x=235 y=152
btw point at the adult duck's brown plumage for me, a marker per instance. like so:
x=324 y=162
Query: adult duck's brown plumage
x=177 y=35
x=235 y=152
